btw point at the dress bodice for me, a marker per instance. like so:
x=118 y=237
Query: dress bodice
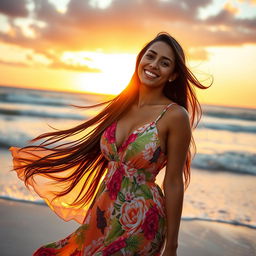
x=140 y=152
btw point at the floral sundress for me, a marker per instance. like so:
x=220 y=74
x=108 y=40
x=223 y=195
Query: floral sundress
x=127 y=216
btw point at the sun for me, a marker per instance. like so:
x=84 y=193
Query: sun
x=116 y=72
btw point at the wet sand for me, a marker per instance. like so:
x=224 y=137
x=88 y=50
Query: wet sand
x=25 y=227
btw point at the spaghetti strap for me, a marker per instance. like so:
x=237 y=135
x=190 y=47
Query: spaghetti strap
x=162 y=113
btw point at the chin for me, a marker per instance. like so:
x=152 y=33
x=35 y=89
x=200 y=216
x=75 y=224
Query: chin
x=150 y=85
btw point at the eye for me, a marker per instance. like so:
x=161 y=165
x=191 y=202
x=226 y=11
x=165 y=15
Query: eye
x=165 y=63
x=149 y=56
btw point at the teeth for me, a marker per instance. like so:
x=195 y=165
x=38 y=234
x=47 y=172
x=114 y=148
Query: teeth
x=150 y=74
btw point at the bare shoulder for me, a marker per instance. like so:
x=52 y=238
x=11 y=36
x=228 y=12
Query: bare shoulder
x=176 y=117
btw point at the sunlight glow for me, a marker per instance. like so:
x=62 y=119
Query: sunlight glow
x=232 y=84
x=117 y=70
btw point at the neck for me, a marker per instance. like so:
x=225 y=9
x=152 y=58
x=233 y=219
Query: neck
x=150 y=96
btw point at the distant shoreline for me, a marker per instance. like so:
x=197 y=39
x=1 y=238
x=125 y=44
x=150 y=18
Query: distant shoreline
x=61 y=91
x=111 y=95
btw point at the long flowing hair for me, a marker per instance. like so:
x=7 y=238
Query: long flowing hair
x=83 y=155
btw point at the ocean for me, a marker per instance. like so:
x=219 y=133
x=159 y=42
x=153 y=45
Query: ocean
x=223 y=170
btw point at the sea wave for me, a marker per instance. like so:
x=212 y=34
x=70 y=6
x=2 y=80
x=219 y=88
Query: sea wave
x=18 y=139
x=228 y=127
x=33 y=99
x=40 y=202
x=8 y=139
x=48 y=98
x=232 y=222
x=230 y=112
x=41 y=114
x=63 y=113
x=236 y=162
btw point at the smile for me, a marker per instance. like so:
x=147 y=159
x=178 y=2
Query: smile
x=150 y=74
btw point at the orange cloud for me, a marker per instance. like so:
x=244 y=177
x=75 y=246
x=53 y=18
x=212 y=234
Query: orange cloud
x=198 y=53
x=14 y=64
x=247 y=1
x=127 y=25
x=79 y=68
x=231 y=8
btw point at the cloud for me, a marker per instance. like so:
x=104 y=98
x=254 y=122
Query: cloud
x=198 y=53
x=128 y=25
x=231 y=8
x=252 y=2
x=54 y=65
x=14 y=64
x=20 y=57
x=84 y=27
x=14 y=8
x=77 y=68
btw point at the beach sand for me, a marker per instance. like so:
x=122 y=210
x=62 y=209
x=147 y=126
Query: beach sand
x=25 y=227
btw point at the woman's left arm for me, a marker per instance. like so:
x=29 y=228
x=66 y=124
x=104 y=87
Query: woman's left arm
x=179 y=136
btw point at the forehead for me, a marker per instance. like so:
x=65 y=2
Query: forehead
x=162 y=49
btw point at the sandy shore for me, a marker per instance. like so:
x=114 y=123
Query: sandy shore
x=25 y=227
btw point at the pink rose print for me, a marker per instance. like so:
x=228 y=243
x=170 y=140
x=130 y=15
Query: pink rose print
x=129 y=196
x=141 y=178
x=45 y=252
x=110 y=133
x=114 y=247
x=130 y=139
x=115 y=183
x=150 y=225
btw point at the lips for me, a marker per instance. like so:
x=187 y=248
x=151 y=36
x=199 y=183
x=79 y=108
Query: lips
x=150 y=74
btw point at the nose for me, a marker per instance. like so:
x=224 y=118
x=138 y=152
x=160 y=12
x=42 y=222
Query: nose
x=154 y=64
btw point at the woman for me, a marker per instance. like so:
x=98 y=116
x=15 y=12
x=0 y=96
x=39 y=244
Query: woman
x=105 y=180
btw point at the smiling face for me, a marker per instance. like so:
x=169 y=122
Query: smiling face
x=156 y=66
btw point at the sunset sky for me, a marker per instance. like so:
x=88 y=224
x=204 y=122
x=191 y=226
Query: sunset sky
x=91 y=45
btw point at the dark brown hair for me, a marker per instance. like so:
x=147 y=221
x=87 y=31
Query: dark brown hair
x=83 y=155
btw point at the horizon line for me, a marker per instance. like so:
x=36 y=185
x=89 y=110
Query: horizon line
x=109 y=95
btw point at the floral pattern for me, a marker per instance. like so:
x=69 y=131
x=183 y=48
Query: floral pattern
x=114 y=184
x=114 y=247
x=150 y=225
x=132 y=214
x=128 y=214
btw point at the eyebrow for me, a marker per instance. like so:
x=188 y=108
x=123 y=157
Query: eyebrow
x=163 y=56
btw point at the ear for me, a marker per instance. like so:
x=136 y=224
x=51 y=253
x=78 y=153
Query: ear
x=172 y=77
